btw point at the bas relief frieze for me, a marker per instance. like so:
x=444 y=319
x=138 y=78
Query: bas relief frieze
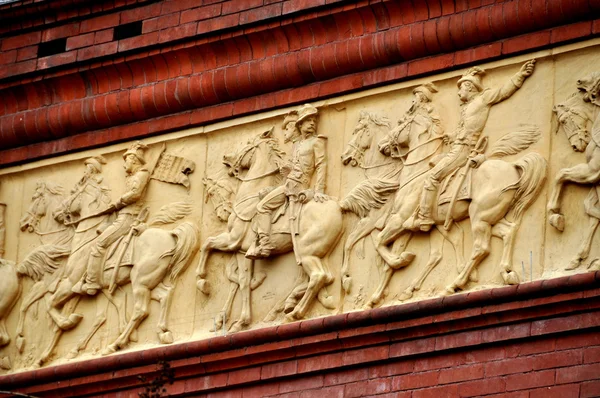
x=468 y=180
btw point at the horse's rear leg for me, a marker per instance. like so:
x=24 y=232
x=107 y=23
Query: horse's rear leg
x=317 y=279
x=246 y=267
x=436 y=242
x=507 y=231
x=141 y=298
x=163 y=294
x=301 y=278
x=50 y=348
x=362 y=229
x=586 y=245
x=482 y=233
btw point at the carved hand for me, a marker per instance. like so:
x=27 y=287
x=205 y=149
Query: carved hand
x=527 y=68
x=320 y=197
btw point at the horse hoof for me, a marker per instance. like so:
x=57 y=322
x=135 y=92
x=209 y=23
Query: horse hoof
x=346 y=284
x=134 y=336
x=258 y=280
x=574 y=264
x=166 y=337
x=111 y=349
x=557 y=221
x=203 y=286
x=510 y=278
x=71 y=322
x=402 y=260
x=449 y=290
x=326 y=300
x=270 y=316
x=406 y=295
x=20 y=344
x=5 y=363
x=369 y=305
x=4 y=340
x=72 y=354
x=236 y=327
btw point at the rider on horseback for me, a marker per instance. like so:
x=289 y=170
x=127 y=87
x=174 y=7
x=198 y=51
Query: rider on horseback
x=475 y=108
x=128 y=206
x=309 y=158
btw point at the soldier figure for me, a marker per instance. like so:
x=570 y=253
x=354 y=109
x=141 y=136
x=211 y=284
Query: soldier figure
x=308 y=158
x=128 y=206
x=476 y=104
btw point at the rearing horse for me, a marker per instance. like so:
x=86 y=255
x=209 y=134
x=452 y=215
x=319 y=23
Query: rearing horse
x=575 y=116
x=319 y=227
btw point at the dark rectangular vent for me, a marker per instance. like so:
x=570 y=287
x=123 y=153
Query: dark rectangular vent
x=128 y=30
x=52 y=47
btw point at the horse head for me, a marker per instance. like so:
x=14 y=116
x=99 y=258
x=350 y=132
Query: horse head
x=363 y=136
x=41 y=199
x=264 y=148
x=576 y=113
x=220 y=193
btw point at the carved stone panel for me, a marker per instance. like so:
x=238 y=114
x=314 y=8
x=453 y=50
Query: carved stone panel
x=471 y=179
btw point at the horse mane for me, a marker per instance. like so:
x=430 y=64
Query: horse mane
x=45 y=259
x=52 y=187
x=375 y=118
x=515 y=142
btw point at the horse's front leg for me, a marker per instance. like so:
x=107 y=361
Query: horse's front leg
x=99 y=320
x=245 y=270
x=581 y=174
x=38 y=290
x=362 y=229
x=225 y=242
x=586 y=245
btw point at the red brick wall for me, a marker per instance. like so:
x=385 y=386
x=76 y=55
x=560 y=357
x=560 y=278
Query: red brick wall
x=535 y=339
x=202 y=61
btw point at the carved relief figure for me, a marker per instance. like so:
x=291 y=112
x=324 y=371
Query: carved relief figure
x=496 y=187
x=575 y=116
x=311 y=235
x=369 y=199
x=128 y=206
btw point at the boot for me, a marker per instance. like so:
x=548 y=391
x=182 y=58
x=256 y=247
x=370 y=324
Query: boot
x=426 y=220
x=92 y=285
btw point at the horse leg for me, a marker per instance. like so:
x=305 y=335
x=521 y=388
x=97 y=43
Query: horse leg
x=317 y=278
x=4 y=336
x=50 y=348
x=362 y=229
x=436 y=241
x=245 y=278
x=37 y=292
x=141 y=297
x=393 y=231
x=164 y=295
x=226 y=311
x=63 y=294
x=507 y=231
x=99 y=320
x=579 y=174
x=586 y=245
x=225 y=242
x=482 y=232
x=282 y=304
x=388 y=270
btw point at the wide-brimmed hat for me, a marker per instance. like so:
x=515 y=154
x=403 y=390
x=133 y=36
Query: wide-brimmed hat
x=137 y=149
x=427 y=89
x=306 y=111
x=474 y=76
x=96 y=162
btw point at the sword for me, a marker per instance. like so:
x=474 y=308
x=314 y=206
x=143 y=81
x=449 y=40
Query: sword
x=293 y=216
x=124 y=244
x=479 y=148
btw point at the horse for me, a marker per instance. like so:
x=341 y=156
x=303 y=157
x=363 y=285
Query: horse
x=42 y=262
x=576 y=115
x=319 y=228
x=369 y=199
x=497 y=186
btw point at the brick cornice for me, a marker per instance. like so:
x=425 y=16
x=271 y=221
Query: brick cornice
x=477 y=319
x=268 y=65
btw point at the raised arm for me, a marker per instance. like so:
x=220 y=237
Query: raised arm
x=494 y=96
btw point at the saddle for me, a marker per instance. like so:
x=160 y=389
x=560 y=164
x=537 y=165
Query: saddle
x=448 y=186
x=115 y=248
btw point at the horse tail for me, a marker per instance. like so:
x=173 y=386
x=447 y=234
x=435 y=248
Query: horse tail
x=45 y=259
x=369 y=194
x=532 y=168
x=170 y=213
x=515 y=142
x=187 y=243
